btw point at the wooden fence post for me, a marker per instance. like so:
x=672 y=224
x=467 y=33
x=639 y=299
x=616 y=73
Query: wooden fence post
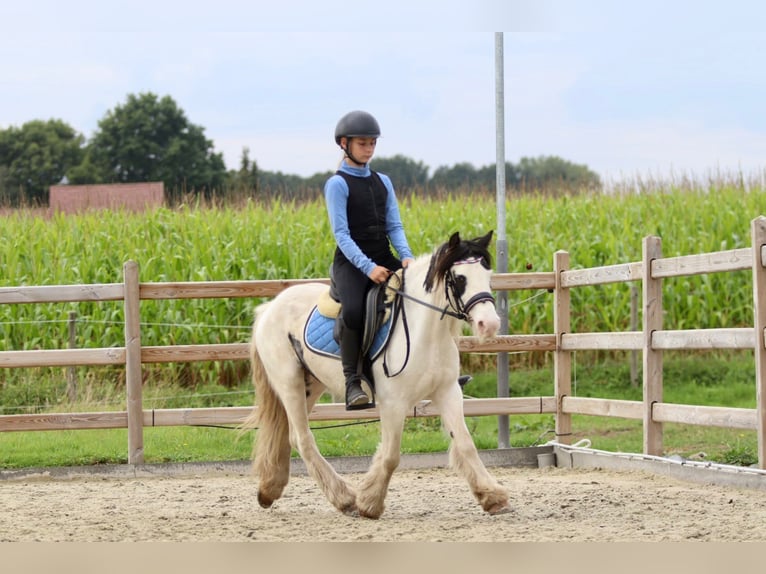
x=562 y=360
x=633 y=327
x=133 y=364
x=652 y=359
x=71 y=373
x=758 y=232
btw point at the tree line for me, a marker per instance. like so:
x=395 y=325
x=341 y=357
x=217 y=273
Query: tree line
x=148 y=138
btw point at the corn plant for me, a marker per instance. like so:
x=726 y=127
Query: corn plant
x=285 y=239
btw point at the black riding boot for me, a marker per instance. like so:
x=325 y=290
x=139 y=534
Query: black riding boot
x=357 y=384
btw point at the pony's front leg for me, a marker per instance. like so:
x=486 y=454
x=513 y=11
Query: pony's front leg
x=464 y=457
x=371 y=493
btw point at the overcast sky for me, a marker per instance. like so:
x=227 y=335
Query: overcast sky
x=648 y=88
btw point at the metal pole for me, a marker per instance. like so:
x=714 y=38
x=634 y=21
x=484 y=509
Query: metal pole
x=503 y=381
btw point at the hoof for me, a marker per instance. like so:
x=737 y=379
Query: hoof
x=351 y=511
x=371 y=513
x=263 y=501
x=503 y=508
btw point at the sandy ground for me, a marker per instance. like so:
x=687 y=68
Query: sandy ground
x=550 y=504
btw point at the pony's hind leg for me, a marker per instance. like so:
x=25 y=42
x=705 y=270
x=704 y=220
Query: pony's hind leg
x=273 y=468
x=464 y=457
x=272 y=463
x=282 y=420
x=271 y=449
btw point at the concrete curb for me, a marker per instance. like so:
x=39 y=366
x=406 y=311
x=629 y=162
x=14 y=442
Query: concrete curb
x=553 y=454
x=676 y=467
x=517 y=457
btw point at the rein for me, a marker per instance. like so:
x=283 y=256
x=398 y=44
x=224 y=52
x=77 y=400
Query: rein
x=454 y=308
x=443 y=312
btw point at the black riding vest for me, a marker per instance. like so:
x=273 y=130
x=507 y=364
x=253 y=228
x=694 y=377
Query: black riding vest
x=366 y=213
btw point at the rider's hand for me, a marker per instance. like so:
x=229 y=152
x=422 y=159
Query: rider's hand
x=406 y=262
x=379 y=274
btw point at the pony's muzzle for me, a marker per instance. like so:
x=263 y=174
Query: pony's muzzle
x=484 y=319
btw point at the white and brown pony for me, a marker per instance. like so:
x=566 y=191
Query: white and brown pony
x=439 y=292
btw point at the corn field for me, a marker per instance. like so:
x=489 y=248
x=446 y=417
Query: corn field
x=293 y=240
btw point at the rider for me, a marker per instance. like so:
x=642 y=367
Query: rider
x=365 y=220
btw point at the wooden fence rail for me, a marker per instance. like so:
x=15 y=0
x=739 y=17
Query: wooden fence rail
x=652 y=340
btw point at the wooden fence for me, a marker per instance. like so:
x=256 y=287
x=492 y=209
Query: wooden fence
x=652 y=340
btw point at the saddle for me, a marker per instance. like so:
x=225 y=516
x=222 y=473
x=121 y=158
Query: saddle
x=377 y=308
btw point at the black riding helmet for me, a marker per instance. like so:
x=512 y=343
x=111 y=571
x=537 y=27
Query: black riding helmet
x=357 y=124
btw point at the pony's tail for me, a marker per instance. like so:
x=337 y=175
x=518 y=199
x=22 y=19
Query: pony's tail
x=259 y=377
x=271 y=448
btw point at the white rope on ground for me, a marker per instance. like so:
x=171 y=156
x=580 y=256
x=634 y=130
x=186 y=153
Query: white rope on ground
x=583 y=446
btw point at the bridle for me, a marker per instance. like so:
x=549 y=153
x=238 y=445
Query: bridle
x=462 y=309
x=455 y=307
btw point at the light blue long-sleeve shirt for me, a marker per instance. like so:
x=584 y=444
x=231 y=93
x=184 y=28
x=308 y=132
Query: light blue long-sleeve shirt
x=336 y=198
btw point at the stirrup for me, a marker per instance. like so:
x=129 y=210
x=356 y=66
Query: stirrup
x=357 y=398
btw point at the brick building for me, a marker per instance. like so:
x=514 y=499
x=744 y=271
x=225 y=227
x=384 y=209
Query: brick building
x=116 y=196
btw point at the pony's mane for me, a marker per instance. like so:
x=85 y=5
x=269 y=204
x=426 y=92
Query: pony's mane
x=455 y=250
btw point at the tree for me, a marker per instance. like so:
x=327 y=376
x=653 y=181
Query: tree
x=278 y=184
x=553 y=173
x=405 y=173
x=487 y=176
x=544 y=173
x=6 y=199
x=457 y=176
x=150 y=139
x=244 y=181
x=86 y=172
x=36 y=156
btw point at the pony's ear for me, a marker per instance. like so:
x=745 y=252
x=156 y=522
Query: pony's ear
x=454 y=240
x=484 y=241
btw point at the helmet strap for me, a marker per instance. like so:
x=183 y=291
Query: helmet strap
x=347 y=151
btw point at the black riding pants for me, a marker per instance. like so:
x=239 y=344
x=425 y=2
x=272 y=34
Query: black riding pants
x=352 y=286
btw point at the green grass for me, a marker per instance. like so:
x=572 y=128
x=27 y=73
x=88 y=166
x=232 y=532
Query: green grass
x=699 y=380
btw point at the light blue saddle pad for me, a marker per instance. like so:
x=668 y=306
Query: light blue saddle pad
x=317 y=335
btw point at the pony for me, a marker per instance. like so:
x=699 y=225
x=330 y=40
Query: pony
x=438 y=294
